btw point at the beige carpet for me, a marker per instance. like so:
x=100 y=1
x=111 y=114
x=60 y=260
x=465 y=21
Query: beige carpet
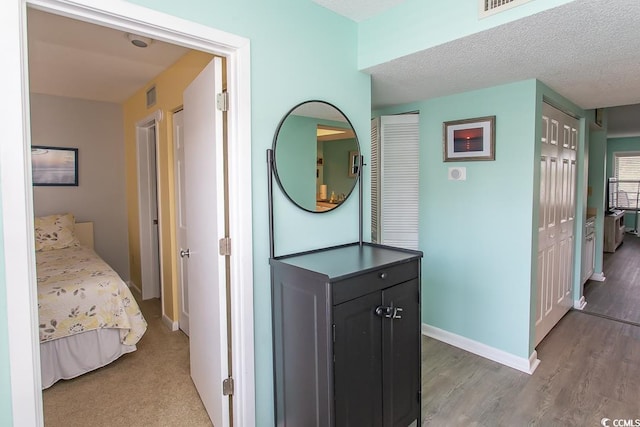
x=149 y=387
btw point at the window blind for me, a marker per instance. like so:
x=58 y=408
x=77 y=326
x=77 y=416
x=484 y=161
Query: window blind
x=627 y=174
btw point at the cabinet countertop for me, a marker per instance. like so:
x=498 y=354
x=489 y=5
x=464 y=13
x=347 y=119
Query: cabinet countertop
x=341 y=262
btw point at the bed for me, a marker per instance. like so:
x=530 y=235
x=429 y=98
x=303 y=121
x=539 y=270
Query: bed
x=87 y=315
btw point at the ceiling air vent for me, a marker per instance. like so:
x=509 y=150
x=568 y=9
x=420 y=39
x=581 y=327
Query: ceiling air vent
x=489 y=7
x=151 y=97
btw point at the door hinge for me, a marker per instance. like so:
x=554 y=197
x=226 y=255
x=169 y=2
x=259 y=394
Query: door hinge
x=227 y=387
x=222 y=101
x=225 y=246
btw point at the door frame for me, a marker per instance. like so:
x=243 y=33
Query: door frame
x=18 y=250
x=145 y=194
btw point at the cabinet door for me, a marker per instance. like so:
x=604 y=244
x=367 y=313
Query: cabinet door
x=401 y=356
x=589 y=255
x=357 y=362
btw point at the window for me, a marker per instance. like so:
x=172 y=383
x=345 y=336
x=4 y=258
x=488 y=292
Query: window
x=626 y=171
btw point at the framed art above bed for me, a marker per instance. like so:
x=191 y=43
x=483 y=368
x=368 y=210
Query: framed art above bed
x=54 y=166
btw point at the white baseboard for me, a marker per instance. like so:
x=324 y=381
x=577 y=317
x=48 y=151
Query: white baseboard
x=527 y=366
x=134 y=287
x=580 y=304
x=173 y=326
x=598 y=277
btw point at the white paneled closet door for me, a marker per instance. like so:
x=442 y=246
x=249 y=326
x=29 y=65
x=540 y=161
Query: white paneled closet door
x=556 y=218
x=395 y=143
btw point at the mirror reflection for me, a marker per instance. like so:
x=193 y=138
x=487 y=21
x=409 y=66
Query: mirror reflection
x=316 y=156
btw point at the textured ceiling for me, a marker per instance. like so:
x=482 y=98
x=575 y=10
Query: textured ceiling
x=584 y=51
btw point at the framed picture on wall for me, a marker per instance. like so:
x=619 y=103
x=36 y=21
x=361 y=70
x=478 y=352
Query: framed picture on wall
x=54 y=166
x=470 y=139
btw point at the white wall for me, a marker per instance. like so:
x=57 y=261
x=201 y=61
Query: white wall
x=96 y=129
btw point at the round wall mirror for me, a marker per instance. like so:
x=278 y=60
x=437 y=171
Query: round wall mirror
x=316 y=156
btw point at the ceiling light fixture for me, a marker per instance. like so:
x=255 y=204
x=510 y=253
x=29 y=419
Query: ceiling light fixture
x=139 y=41
x=327 y=132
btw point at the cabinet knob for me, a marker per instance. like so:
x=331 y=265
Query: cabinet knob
x=384 y=312
x=382 y=275
x=389 y=312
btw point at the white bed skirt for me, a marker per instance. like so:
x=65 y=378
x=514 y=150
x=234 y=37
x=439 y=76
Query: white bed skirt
x=66 y=358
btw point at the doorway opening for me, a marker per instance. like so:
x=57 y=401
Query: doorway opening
x=149 y=214
x=27 y=405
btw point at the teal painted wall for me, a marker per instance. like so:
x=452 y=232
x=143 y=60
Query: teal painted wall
x=295 y=159
x=615 y=145
x=299 y=51
x=415 y=25
x=597 y=180
x=479 y=236
x=336 y=166
x=476 y=235
x=6 y=418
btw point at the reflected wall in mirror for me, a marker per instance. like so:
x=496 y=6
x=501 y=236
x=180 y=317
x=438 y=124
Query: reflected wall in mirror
x=314 y=151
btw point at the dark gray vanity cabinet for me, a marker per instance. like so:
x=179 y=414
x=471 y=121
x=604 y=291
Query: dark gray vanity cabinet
x=346 y=324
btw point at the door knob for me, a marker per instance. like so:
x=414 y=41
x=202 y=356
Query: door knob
x=186 y=253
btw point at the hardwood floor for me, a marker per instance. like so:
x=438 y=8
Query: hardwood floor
x=590 y=369
x=619 y=296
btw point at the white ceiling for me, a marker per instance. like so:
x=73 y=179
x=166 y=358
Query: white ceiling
x=80 y=60
x=584 y=51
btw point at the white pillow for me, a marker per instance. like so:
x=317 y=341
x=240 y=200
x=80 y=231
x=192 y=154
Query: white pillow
x=55 y=232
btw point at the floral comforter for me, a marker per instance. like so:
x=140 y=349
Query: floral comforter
x=78 y=292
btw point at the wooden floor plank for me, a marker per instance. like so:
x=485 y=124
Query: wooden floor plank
x=590 y=369
x=619 y=296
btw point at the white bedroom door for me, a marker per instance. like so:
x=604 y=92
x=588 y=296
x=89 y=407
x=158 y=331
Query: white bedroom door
x=205 y=216
x=181 y=220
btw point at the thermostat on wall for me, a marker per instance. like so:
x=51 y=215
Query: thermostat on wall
x=458 y=174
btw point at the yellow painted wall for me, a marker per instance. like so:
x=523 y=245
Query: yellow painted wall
x=170 y=85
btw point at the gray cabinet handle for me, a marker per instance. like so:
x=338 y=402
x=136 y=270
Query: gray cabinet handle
x=389 y=312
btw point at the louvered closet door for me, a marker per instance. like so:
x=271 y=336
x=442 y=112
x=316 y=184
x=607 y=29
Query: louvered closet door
x=556 y=218
x=395 y=174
